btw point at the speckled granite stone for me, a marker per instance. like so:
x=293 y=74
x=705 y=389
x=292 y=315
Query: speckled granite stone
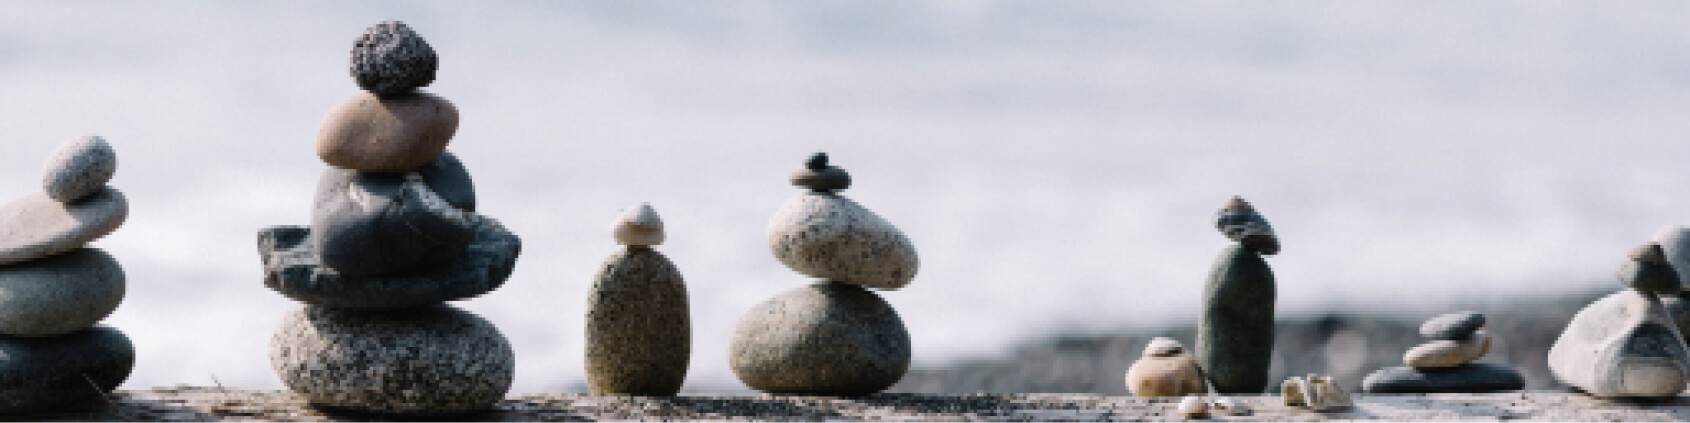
x=387 y=134
x=37 y=226
x=79 y=168
x=70 y=371
x=366 y=223
x=1471 y=378
x=389 y=58
x=1623 y=345
x=424 y=360
x=1452 y=326
x=59 y=294
x=1235 y=335
x=831 y=237
x=828 y=338
x=639 y=333
x=291 y=268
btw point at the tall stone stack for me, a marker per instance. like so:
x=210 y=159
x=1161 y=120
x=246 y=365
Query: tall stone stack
x=1626 y=344
x=639 y=332
x=834 y=337
x=393 y=236
x=1235 y=335
x=54 y=289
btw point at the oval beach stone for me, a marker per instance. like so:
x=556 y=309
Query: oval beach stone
x=53 y=373
x=387 y=134
x=291 y=268
x=831 y=237
x=79 y=168
x=639 y=333
x=822 y=339
x=1453 y=326
x=1472 y=378
x=37 y=226
x=59 y=294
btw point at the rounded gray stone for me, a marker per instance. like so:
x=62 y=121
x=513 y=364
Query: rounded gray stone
x=59 y=294
x=424 y=360
x=639 y=333
x=79 y=168
x=368 y=223
x=824 y=339
x=292 y=269
x=1235 y=335
x=55 y=373
x=831 y=237
x=1471 y=378
x=1453 y=326
x=390 y=59
x=37 y=226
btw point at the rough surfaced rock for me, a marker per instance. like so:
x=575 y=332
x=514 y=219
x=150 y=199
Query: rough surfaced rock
x=387 y=134
x=824 y=339
x=1623 y=345
x=639 y=333
x=831 y=237
x=36 y=226
x=1448 y=353
x=62 y=372
x=1165 y=370
x=1471 y=378
x=391 y=59
x=79 y=168
x=1452 y=326
x=292 y=269
x=1235 y=335
x=423 y=360
x=367 y=223
x=59 y=294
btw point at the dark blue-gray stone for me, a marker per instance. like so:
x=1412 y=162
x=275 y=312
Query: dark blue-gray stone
x=1453 y=326
x=291 y=268
x=368 y=223
x=62 y=372
x=1471 y=378
x=1235 y=336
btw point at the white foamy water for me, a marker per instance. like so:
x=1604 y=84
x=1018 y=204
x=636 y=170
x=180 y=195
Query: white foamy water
x=1056 y=164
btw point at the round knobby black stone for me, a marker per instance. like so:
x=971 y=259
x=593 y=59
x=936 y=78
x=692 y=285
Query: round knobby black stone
x=391 y=59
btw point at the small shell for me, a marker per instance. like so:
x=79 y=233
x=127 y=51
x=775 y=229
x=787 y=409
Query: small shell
x=1292 y=391
x=638 y=225
x=1163 y=347
x=1194 y=407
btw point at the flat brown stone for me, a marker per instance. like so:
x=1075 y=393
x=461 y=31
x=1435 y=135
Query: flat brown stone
x=393 y=134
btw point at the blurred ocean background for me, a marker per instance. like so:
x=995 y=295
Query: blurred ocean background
x=1057 y=164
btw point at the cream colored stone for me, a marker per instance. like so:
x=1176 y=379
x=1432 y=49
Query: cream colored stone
x=1446 y=353
x=638 y=225
x=394 y=134
x=1165 y=370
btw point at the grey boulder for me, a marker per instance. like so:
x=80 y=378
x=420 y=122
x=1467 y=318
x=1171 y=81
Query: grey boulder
x=1453 y=326
x=389 y=58
x=79 y=168
x=1471 y=378
x=292 y=269
x=37 y=226
x=1623 y=345
x=639 y=332
x=823 y=339
x=368 y=223
x=424 y=360
x=831 y=237
x=62 y=372
x=59 y=294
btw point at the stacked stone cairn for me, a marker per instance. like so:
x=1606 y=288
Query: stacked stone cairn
x=639 y=334
x=393 y=236
x=834 y=337
x=1445 y=362
x=1626 y=344
x=1165 y=370
x=1235 y=335
x=54 y=289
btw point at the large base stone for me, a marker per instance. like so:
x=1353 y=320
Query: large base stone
x=59 y=294
x=292 y=268
x=828 y=339
x=639 y=333
x=1623 y=345
x=426 y=360
x=60 y=372
x=1235 y=335
x=1471 y=378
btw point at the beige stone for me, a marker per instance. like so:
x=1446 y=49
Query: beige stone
x=394 y=134
x=638 y=226
x=1445 y=353
x=1165 y=370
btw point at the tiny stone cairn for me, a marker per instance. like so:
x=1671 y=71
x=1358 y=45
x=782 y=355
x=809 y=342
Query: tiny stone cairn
x=835 y=337
x=639 y=336
x=393 y=236
x=1626 y=344
x=1445 y=363
x=1165 y=370
x=54 y=289
x=1235 y=335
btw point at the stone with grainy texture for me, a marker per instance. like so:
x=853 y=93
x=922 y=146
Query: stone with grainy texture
x=386 y=223
x=1452 y=326
x=638 y=225
x=1448 y=353
x=424 y=360
x=391 y=59
x=828 y=338
x=387 y=134
x=1471 y=378
x=1164 y=370
x=292 y=269
x=1235 y=335
x=1239 y=221
x=831 y=237
x=36 y=226
x=1623 y=345
x=58 y=372
x=819 y=177
x=639 y=333
x=79 y=168
x=59 y=294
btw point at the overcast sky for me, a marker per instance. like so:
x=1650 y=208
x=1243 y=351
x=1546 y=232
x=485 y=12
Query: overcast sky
x=1057 y=164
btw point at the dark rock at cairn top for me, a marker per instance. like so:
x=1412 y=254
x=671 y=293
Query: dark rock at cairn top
x=390 y=59
x=1649 y=271
x=818 y=176
x=1471 y=378
x=58 y=372
x=1235 y=335
x=1453 y=326
x=1239 y=221
x=824 y=339
x=639 y=334
x=367 y=223
x=291 y=268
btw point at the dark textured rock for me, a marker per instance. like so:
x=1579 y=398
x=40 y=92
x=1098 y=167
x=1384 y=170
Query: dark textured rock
x=423 y=360
x=1239 y=221
x=387 y=134
x=639 y=333
x=37 y=226
x=368 y=223
x=79 y=168
x=61 y=372
x=1453 y=326
x=831 y=237
x=291 y=268
x=59 y=294
x=817 y=176
x=826 y=339
x=1471 y=378
x=1649 y=271
x=390 y=58
x=1235 y=336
